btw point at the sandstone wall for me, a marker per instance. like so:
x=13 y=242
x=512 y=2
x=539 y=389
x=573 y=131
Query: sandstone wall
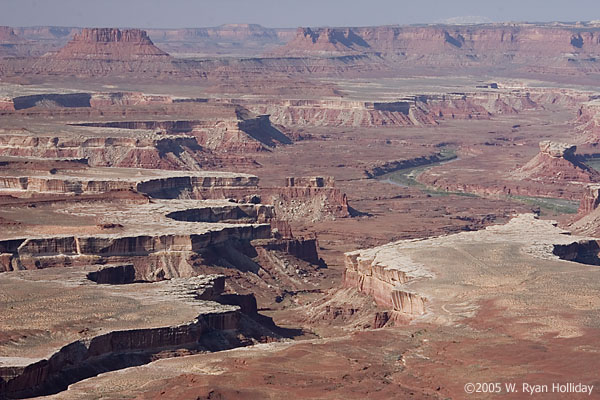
x=307 y=203
x=382 y=283
x=130 y=152
x=410 y=111
x=165 y=254
x=521 y=40
x=111 y=44
x=588 y=121
x=304 y=249
x=590 y=199
x=85 y=357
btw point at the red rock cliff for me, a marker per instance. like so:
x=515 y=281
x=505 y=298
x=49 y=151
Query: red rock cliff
x=557 y=162
x=493 y=42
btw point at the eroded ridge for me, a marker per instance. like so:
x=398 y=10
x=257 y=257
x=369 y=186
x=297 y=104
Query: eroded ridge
x=81 y=328
x=444 y=279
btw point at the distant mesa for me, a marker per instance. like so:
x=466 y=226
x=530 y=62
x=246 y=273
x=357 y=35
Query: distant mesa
x=111 y=44
x=12 y=45
x=467 y=40
x=7 y=35
x=326 y=40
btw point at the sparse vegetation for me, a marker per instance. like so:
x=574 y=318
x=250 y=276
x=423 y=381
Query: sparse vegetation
x=549 y=205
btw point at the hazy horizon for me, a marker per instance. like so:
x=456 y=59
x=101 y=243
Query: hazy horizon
x=285 y=14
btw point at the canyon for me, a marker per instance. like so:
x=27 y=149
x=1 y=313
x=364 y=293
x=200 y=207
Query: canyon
x=322 y=213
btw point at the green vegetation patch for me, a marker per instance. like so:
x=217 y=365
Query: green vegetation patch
x=549 y=205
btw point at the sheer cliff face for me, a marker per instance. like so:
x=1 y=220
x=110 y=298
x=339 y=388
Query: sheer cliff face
x=588 y=121
x=327 y=40
x=478 y=41
x=11 y=45
x=111 y=44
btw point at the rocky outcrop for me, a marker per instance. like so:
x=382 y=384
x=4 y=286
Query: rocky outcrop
x=194 y=324
x=196 y=183
x=46 y=376
x=557 y=162
x=159 y=238
x=479 y=42
x=11 y=45
x=440 y=279
x=588 y=218
x=307 y=199
x=233 y=129
x=590 y=200
x=154 y=183
x=583 y=252
x=324 y=41
x=588 y=121
x=101 y=100
x=557 y=150
x=52 y=100
x=228 y=214
x=7 y=35
x=114 y=275
x=314 y=181
x=408 y=111
x=44 y=252
x=93 y=53
x=111 y=44
x=302 y=248
x=78 y=100
x=52 y=166
x=135 y=150
x=384 y=282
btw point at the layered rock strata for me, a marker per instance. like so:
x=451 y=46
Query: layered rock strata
x=248 y=133
x=154 y=183
x=307 y=198
x=441 y=279
x=588 y=218
x=121 y=119
x=158 y=245
x=487 y=42
x=590 y=199
x=12 y=45
x=139 y=149
x=383 y=280
x=588 y=121
x=97 y=100
x=111 y=44
x=408 y=111
x=129 y=326
x=557 y=162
